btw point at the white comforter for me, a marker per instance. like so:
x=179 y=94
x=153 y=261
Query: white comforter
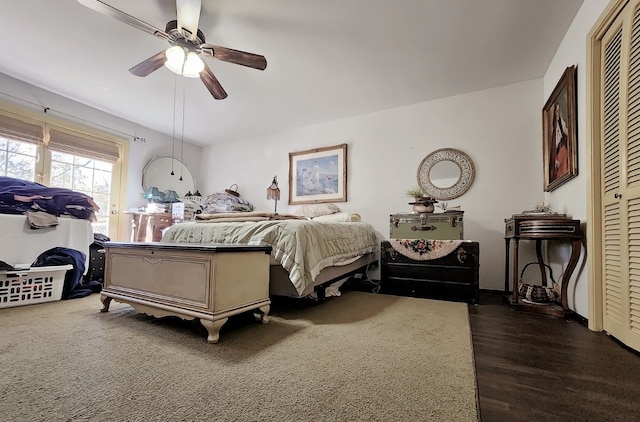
x=302 y=247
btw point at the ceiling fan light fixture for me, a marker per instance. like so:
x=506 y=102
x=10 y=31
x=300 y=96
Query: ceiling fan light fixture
x=183 y=62
x=193 y=65
x=175 y=59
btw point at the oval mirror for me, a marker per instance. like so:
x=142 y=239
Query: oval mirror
x=446 y=173
x=157 y=173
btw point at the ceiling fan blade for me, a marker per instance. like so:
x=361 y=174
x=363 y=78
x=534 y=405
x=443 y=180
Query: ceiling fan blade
x=251 y=60
x=105 y=9
x=212 y=84
x=152 y=64
x=188 y=17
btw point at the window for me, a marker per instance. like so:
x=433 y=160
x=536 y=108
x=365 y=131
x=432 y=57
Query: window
x=17 y=159
x=20 y=142
x=57 y=154
x=91 y=177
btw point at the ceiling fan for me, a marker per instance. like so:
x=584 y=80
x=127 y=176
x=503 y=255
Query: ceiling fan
x=187 y=44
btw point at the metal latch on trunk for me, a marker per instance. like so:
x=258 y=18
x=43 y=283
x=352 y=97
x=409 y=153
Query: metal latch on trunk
x=423 y=224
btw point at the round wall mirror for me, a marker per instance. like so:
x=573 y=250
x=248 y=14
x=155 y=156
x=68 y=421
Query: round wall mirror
x=157 y=173
x=446 y=173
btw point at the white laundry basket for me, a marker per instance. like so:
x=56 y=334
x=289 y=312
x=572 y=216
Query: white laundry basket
x=33 y=285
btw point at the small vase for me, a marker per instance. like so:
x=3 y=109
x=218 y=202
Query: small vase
x=419 y=208
x=423 y=208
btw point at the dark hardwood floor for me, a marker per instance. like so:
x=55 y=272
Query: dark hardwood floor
x=533 y=367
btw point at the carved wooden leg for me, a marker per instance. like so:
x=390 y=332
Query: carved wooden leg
x=507 y=241
x=262 y=314
x=514 y=276
x=213 y=328
x=106 y=301
x=576 y=247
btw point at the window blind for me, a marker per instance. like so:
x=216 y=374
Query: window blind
x=83 y=145
x=21 y=130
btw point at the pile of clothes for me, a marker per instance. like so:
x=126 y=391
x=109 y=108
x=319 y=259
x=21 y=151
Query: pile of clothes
x=225 y=202
x=18 y=196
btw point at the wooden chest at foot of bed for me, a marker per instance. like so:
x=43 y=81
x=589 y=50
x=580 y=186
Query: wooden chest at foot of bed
x=209 y=282
x=450 y=277
x=447 y=225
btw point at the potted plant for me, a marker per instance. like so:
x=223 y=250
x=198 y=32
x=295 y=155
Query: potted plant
x=422 y=203
x=415 y=193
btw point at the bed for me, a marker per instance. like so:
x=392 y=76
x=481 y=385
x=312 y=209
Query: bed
x=21 y=245
x=35 y=218
x=309 y=257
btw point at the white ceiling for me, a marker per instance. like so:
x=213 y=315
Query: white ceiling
x=327 y=59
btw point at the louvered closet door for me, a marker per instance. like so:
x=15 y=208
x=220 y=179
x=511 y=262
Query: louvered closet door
x=620 y=143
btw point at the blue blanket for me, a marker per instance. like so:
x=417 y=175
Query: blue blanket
x=73 y=282
x=18 y=196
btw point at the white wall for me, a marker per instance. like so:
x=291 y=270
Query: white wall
x=33 y=98
x=500 y=129
x=571 y=198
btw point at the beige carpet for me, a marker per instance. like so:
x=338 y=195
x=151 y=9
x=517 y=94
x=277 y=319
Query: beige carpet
x=358 y=357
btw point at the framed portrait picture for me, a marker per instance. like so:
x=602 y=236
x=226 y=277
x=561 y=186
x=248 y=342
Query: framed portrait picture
x=559 y=123
x=318 y=175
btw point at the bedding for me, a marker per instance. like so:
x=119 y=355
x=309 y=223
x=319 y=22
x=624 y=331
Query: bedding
x=225 y=202
x=18 y=196
x=246 y=216
x=339 y=217
x=316 y=210
x=302 y=247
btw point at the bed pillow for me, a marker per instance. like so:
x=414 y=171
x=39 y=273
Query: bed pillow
x=339 y=217
x=316 y=210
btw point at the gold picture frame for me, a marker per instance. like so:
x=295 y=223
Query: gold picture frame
x=318 y=175
x=559 y=123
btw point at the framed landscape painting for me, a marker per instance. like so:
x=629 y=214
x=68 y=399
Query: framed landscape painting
x=559 y=123
x=318 y=175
